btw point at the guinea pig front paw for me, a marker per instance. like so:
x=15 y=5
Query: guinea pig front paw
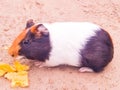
x=39 y=64
x=20 y=57
x=85 y=69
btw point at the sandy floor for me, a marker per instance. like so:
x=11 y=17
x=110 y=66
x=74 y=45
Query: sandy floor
x=15 y=13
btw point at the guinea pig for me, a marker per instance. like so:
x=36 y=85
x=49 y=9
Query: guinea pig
x=80 y=44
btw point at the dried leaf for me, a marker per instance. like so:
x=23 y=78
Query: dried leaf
x=2 y=72
x=20 y=67
x=17 y=73
x=7 y=68
x=18 y=79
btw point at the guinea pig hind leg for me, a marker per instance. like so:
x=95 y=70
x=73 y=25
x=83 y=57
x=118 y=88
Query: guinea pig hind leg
x=86 y=69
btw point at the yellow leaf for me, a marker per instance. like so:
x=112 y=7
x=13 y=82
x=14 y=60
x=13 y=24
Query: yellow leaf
x=20 y=67
x=2 y=72
x=17 y=73
x=18 y=79
x=7 y=68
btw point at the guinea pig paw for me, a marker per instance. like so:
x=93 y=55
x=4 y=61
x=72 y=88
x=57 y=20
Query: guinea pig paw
x=85 y=69
x=39 y=64
x=20 y=57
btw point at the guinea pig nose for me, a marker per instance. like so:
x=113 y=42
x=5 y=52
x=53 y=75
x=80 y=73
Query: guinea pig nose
x=12 y=55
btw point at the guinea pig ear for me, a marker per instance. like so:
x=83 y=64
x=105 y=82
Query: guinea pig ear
x=42 y=30
x=29 y=23
x=39 y=30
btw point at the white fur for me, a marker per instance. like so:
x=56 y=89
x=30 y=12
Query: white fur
x=67 y=39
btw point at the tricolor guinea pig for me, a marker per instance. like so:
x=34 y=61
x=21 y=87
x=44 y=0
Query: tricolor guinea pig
x=80 y=44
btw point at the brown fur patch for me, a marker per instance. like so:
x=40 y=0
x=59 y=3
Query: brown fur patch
x=33 y=29
x=13 y=50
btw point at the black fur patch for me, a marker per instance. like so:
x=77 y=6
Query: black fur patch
x=35 y=48
x=98 y=51
x=29 y=23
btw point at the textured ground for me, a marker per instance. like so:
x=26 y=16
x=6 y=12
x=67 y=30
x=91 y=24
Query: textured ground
x=106 y=13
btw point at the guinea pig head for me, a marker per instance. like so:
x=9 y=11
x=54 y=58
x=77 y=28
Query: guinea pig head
x=31 y=32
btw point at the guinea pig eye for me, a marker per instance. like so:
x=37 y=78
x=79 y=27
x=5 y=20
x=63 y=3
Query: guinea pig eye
x=26 y=41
